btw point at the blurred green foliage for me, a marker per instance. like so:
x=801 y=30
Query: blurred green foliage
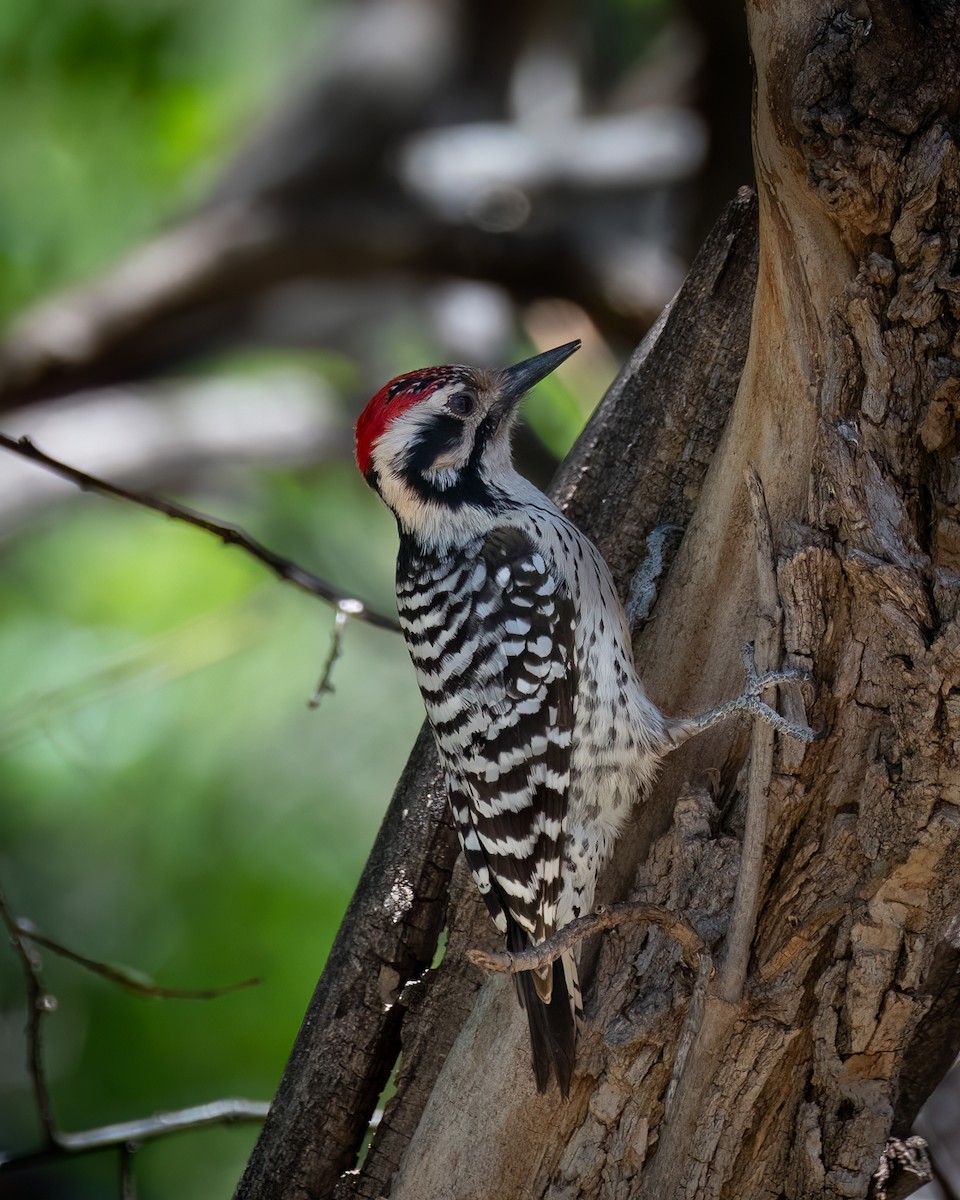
x=115 y=111
x=170 y=802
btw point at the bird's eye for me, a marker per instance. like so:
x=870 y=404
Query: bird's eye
x=462 y=404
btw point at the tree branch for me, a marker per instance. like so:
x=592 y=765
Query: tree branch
x=122 y=976
x=336 y=649
x=57 y=1144
x=231 y=535
x=38 y=1005
x=102 y=1137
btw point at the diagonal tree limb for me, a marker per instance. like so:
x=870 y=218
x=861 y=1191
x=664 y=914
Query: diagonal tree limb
x=318 y=193
x=150 y=311
x=349 y=1038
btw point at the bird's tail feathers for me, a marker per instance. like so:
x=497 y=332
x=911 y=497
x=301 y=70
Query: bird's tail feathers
x=553 y=1022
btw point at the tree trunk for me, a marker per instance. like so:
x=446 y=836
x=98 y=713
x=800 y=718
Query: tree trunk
x=824 y=880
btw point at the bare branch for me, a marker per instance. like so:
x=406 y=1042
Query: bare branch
x=174 y=431
x=230 y=535
x=217 y=1112
x=128 y=1179
x=605 y=917
x=228 y=257
x=89 y=1141
x=124 y=977
x=58 y=1145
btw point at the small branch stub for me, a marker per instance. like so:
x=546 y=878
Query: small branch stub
x=345 y=610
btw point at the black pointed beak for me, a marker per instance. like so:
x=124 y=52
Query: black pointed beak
x=519 y=379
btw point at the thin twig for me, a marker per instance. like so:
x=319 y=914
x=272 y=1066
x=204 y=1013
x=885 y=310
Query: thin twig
x=325 y=685
x=58 y=1145
x=124 y=977
x=217 y=1112
x=89 y=1141
x=743 y=915
x=606 y=917
x=38 y=1005
x=230 y=535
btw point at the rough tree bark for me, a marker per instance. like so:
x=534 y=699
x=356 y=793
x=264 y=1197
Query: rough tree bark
x=795 y=1065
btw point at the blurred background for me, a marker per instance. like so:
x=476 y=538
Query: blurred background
x=223 y=224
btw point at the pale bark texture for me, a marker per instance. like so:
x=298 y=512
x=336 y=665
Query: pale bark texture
x=825 y=880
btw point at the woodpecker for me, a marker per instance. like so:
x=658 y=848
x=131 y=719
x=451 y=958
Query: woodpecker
x=523 y=656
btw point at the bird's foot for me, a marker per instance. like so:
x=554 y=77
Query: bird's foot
x=749 y=702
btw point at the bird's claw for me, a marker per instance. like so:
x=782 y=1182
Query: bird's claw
x=758 y=682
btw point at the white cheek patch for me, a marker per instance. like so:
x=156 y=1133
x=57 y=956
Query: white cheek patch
x=442 y=479
x=451 y=462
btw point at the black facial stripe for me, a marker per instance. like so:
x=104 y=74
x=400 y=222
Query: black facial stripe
x=485 y=431
x=469 y=486
x=441 y=435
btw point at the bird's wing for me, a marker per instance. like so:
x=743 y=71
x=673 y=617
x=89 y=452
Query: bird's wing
x=514 y=671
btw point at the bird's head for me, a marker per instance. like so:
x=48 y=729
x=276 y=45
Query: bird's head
x=436 y=443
